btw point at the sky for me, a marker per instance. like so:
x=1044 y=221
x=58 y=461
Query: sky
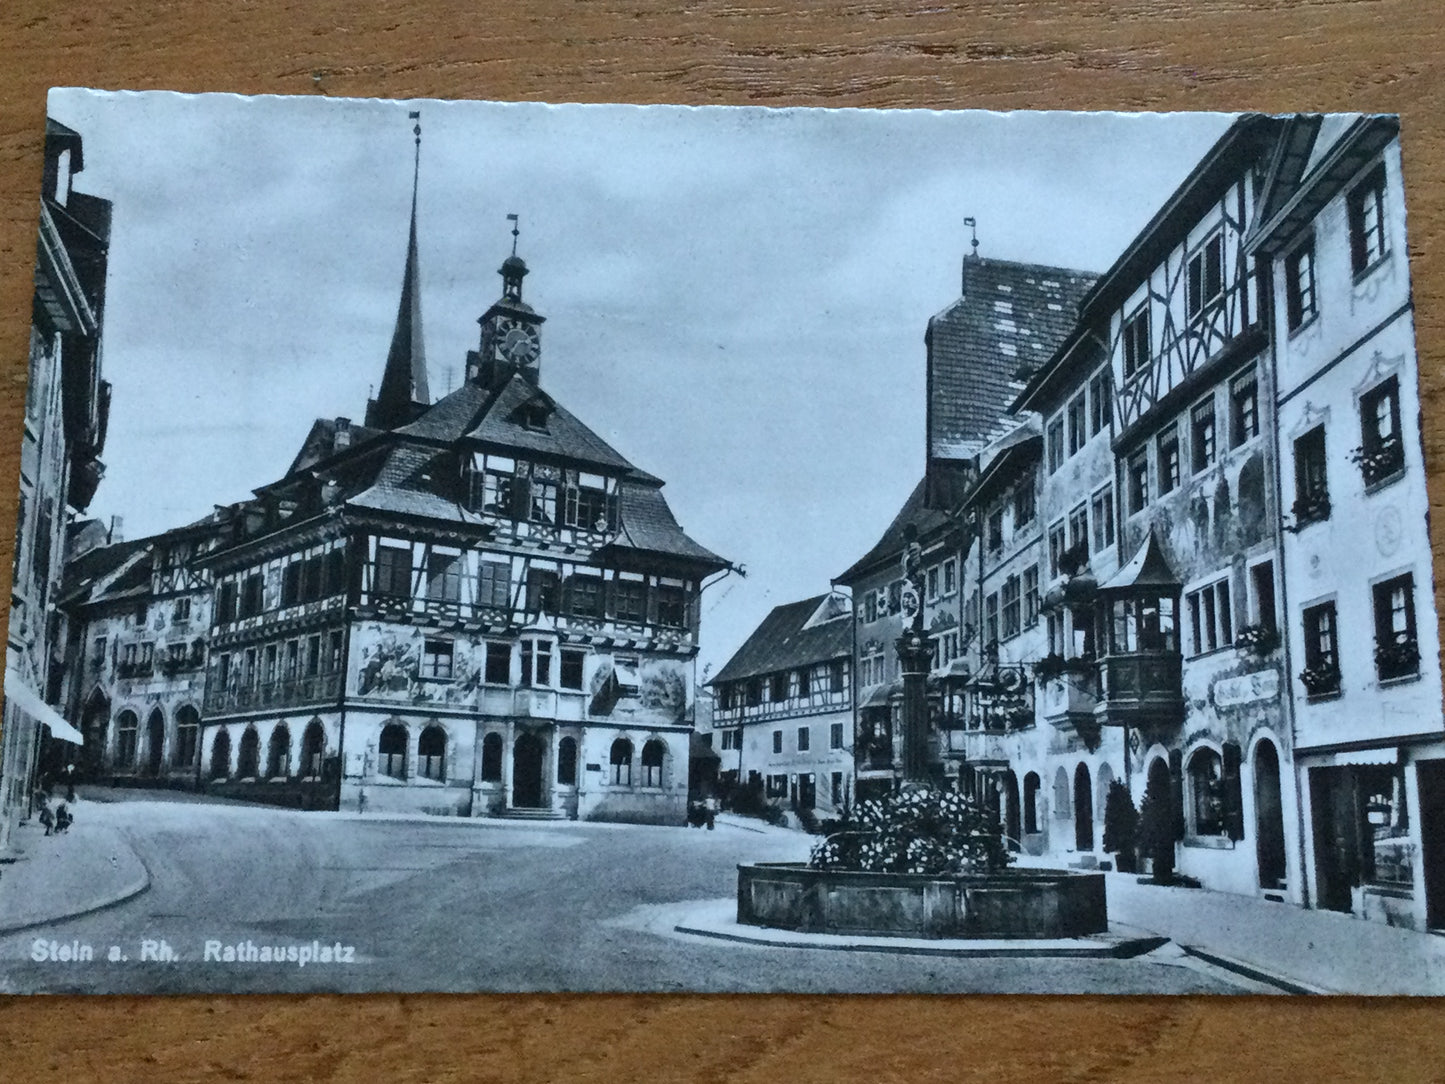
x=736 y=298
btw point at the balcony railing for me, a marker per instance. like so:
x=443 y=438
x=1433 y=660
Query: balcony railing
x=1144 y=684
x=302 y=690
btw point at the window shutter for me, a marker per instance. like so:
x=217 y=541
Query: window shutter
x=651 y=591
x=1233 y=793
x=1176 y=788
x=690 y=613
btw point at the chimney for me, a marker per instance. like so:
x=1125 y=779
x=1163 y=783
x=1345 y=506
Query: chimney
x=342 y=437
x=117 y=531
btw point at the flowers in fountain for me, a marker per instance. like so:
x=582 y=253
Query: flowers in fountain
x=920 y=830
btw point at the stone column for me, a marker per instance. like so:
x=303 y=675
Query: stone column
x=549 y=769
x=915 y=655
x=507 y=764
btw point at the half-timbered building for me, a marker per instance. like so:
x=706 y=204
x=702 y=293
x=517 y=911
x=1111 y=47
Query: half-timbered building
x=469 y=607
x=784 y=706
x=139 y=616
x=1189 y=659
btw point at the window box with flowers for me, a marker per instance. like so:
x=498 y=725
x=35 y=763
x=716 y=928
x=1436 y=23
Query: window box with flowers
x=1380 y=461
x=1260 y=640
x=1320 y=681
x=1397 y=660
x=1054 y=666
x=1311 y=508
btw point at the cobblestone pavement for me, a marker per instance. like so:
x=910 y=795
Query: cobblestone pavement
x=419 y=904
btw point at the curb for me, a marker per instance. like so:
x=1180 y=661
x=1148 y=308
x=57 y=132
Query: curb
x=1258 y=974
x=1119 y=950
x=121 y=895
x=129 y=892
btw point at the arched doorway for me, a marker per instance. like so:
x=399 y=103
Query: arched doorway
x=188 y=736
x=313 y=749
x=155 y=742
x=278 y=752
x=567 y=762
x=248 y=757
x=1031 y=803
x=492 y=758
x=1011 y=811
x=221 y=755
x=527 y=753
x=1083 y=809
x=94 y=722
x=1268 y=816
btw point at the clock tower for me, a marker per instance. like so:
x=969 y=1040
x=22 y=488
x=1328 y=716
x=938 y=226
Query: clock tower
x=511 y=330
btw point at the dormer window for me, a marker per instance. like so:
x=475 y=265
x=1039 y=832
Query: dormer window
x=534 y=412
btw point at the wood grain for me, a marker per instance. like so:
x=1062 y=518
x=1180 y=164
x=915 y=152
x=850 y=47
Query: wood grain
x=1154 y=54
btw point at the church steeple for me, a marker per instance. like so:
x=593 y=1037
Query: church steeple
x=403 y=393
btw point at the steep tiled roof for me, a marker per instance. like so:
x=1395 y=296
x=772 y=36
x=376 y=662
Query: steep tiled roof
x=320 y=442
x=648 y=525
x=564 y=435
x=1009 y=320
x=90 y=568
x=890 y=546
x=410 y=483
x=450 y=416
x=782 y=642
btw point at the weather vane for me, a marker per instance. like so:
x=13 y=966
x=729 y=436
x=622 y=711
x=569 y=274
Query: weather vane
x=515 y=232
x=972 y=224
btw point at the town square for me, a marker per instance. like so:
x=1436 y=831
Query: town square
x=511 y=548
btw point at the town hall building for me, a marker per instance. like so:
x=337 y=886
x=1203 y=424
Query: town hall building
x=472 y=607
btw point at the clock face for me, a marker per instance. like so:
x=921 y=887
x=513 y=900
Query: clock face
x=517 y=342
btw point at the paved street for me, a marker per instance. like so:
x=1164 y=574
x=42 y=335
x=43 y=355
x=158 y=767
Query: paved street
x=434 y=904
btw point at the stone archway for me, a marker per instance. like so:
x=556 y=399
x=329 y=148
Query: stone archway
x=528 y=754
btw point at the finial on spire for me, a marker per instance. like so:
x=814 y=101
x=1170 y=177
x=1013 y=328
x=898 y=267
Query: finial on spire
x=972 y=224
x=515 y=232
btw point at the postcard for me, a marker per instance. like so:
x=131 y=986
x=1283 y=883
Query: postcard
x=466 y=546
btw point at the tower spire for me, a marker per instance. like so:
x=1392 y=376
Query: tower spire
x=404 y=390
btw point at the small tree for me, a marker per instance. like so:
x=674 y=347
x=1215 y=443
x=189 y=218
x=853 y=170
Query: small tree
x=1121 y=825
x=1156 y=829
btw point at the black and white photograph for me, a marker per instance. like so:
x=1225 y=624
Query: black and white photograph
x=475 y=546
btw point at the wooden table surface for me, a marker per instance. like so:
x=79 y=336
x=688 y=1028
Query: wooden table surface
x=1379 y=55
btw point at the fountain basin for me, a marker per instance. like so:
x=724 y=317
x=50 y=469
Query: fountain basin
x=1012 y=903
